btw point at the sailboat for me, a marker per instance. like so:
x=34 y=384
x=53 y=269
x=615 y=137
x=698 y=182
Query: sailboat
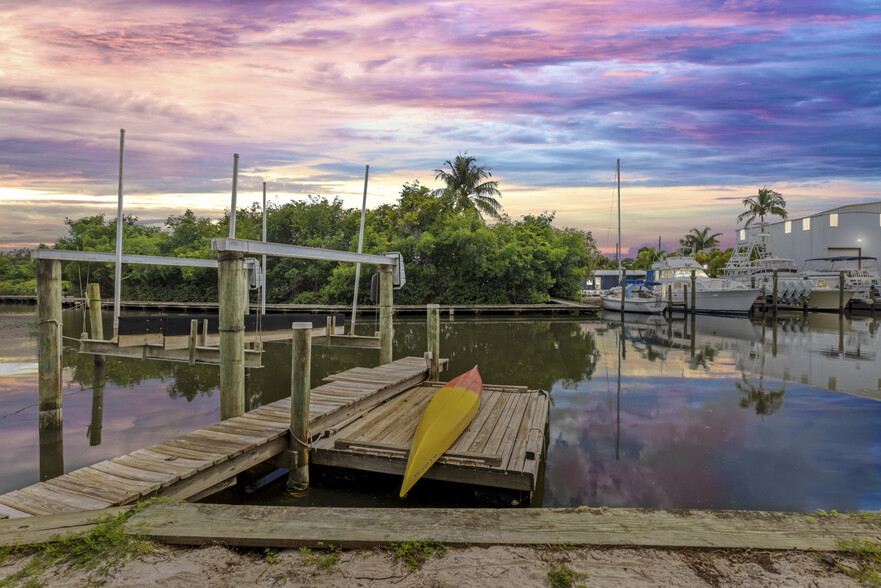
x=636 y=296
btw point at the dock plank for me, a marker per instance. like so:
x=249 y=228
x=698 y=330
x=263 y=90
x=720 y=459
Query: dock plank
x=268 y=526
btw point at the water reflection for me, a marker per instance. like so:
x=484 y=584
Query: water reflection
x=715 y=412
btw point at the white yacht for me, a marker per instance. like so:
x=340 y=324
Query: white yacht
x=713 y=295
x=860 y=276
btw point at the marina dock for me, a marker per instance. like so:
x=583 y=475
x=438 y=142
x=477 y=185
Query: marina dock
x=355 y=419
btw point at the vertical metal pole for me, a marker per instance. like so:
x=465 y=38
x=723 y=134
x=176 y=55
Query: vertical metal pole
x=301 y=360
x=360 y=244
x=235 y=183
x=49 y=342
x=232 y=334
x=263 y=263
x=94 y=293
x=117 y=276
x=620 y=249
x=433 y=335
x=386 y=314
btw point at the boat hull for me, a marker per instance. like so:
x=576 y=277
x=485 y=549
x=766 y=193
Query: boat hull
x=735 y=301
x=634 y=305
x=449 y=412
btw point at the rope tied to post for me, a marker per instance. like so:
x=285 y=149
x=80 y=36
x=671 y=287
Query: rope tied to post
x=233 y=330
x=56 y=321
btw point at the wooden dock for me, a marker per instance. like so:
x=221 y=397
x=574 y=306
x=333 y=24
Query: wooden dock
x=205 y=461
x=503 y=447
x=363 y=418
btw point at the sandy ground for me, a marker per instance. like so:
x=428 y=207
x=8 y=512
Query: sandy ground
x=494 y=566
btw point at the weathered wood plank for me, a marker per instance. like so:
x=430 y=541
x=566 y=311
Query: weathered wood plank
x=402 y=451
x=40 y=529
x=367 y=527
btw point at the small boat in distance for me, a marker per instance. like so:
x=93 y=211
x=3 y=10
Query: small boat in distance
x=639 y=297
x=449 y=412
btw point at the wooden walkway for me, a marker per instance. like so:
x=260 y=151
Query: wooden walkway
x=205 y=461
x=502 y=447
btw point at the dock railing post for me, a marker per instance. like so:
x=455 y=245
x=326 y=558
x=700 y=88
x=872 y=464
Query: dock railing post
x=230 y=265
x=301 y=360
x=49 y=342
x=433 y=333
x=94 y=292
x=693 y=291
x=386 y=314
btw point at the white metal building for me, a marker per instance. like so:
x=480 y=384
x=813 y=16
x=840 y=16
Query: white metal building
x=854 y=229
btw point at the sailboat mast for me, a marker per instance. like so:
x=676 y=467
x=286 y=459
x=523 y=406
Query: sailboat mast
x=618 y=253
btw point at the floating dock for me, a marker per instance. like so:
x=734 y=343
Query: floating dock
x=502 y=447
x=361 y=418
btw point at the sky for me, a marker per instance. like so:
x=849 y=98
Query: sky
x=703 y=101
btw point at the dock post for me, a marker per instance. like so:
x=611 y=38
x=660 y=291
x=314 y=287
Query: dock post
x=670 y=300
x=433 y=333
x=230 y=265
x=301 y=360
x=623 y=286
x=328 y=330
x=774 y=299
x=94 y=292
x=97 y=422
x=49 y=341
x=194 y=339
x=693 y=291
x=684 y=299
x=841 y=292
x=386 y=314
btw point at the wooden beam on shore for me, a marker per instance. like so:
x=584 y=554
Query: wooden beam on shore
x=275 y=526
x=24 y=531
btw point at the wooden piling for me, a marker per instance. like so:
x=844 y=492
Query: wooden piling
x=623 y=287
x=670 y=300
x=97 y=422
x=49 y=341
x=194 y=339
x=232 y=334
x=685 y=298
x=433 y=334
x=841 y=292
x=301 y=360
x=774 y=299
x=693 y=291
x=386 y=314
x=94 y=293
x=328 y=330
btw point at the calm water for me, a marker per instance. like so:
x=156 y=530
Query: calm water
x=714 y=413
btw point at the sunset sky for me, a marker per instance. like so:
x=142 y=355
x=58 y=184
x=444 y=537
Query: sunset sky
x=703 y=101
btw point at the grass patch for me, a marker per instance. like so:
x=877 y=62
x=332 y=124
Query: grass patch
x=324 y=562
x=868 y=556
x=413 y=554
x=98 y=550
x=562 y=576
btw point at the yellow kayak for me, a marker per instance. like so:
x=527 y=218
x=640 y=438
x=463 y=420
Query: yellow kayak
x=450 y=411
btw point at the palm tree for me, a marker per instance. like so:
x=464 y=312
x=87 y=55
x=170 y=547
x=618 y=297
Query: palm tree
x=698 y=241
x=768 y=202
x=465 y=185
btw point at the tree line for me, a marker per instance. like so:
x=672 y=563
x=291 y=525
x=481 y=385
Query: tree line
x=451 y=255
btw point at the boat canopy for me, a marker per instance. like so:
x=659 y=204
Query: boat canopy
x=843 y=258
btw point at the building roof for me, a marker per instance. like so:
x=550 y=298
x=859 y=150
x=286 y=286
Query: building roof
x=873 y=207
